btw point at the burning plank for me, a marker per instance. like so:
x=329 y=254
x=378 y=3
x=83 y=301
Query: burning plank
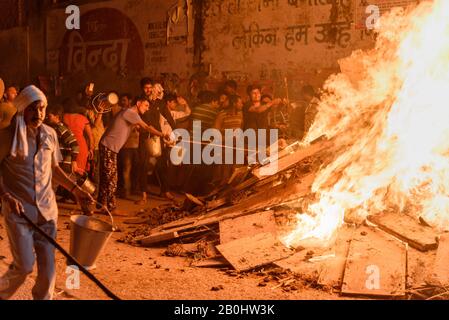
x=279 y=194
x=251 y=252
x=376 y=265
x=407 y=229
x=293 y=158
x=441 y=270
x=246 y=226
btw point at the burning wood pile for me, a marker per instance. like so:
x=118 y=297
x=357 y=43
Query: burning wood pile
x=365 y=209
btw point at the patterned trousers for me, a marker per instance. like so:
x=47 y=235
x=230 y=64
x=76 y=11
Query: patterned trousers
x=108 y=178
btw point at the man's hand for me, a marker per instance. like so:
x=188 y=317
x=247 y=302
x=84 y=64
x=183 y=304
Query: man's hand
x=15 y=205
x=167 y=140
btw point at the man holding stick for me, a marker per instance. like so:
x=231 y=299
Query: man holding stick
x=26 y=173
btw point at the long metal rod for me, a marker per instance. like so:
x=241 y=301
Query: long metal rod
x=70 y=258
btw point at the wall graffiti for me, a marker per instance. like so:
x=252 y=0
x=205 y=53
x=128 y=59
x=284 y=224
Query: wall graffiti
x=337 y=34
x=107 y=40
x=157 y=34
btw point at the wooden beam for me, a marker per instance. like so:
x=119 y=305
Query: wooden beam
x=277 y=195
x=407 y=229
x=218 y=262
x=158 y=237
x=251 y=252
x=292 y=159
x=376 y=265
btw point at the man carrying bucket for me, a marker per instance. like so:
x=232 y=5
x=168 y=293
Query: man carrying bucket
x=26 y=173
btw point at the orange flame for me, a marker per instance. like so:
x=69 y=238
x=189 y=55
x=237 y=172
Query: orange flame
x=389 y=112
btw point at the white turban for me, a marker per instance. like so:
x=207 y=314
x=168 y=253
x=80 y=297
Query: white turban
x=26 y=97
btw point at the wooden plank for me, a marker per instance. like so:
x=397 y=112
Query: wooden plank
x=376 y=265
x=279 y=194
x=292 y=159
x=246 y=226
x=407 y=229
x=158 y=237
x=441 y=266
x=298 y=263
x=218 y=262
x=251 y=252
x=332 y=270
x=214 y=204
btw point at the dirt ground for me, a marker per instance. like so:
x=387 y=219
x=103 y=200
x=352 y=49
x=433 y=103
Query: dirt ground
x=138 y=273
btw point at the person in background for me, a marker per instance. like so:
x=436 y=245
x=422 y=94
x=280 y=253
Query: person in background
x=179 y=112
x=98 y=129
x=178 y=108
x=277 y=115
x=67 y=141
x=230 y=87
x=80 y=127
x=146 y=85
x=223 y=101
x=155 y=118
x=231 y=118
x=69 y=148
x=11 y=93
x=7 y=109
x=112 y=141
x=255 y=111
x=207 y=111
x=128 y=157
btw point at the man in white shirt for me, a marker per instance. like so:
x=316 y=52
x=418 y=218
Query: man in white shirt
x=26 y=174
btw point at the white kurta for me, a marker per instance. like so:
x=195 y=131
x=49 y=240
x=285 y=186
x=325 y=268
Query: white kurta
x=30 y=179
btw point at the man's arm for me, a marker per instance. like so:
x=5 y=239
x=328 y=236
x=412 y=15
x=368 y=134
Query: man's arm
x=150 y=129
x=264 y=107
x=62 y=179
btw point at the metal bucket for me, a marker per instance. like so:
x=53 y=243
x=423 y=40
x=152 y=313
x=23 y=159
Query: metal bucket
x=88 y=237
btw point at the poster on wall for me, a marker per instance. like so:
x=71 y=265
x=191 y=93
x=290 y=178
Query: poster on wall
x=177 y=23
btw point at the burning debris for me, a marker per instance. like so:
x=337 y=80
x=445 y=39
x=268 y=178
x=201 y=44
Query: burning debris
x=352 y=203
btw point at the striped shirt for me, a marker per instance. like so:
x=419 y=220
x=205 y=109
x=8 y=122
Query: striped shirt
x=206 y=114
x=230 y=120
x=67 y=143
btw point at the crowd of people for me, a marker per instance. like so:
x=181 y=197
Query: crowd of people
x=49 y=147
x=124 y=147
